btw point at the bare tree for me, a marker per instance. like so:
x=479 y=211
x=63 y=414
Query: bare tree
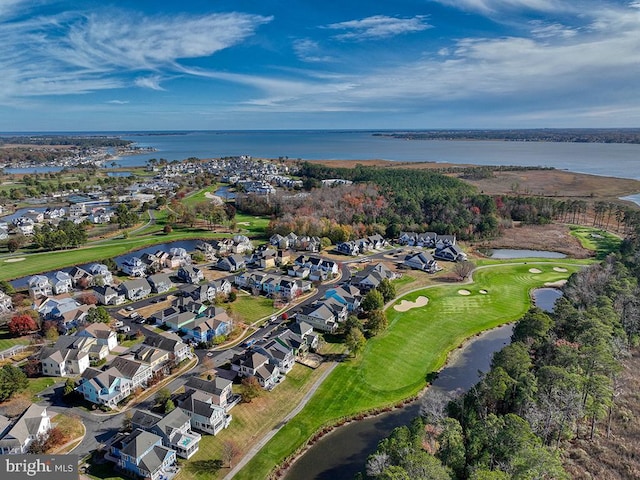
x=229 y=451
x=463 y=269
x=377 y=464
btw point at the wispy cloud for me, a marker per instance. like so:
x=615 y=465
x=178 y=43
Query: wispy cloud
x=74 y=52
x=152 y=82
x=118 y=102
x=494 y=6
x=540 y=29
x=309 y=50
x=378 y=27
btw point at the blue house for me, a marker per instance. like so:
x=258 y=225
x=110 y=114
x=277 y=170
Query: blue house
x=141 y=454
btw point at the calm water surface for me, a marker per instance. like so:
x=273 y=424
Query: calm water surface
x=545 y=298
x=506 y=253
x=343 y=453
x=618 y=160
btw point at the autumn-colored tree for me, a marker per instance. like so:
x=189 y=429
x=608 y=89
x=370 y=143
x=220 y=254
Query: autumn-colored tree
x=55 y=438
x=22 y=324
x=229 y=451
x=88 y=299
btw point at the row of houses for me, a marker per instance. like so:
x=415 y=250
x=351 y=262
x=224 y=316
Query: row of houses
x=362 y=245
x=126 y=373
x=65 y=282
x=295 y=242
x=271 y=359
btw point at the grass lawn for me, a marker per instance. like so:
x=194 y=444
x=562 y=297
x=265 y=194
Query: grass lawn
x=199 y=196
x=600 y=241
x=36 y=385
x=132 y=342
x=72 y=429
x=45 y=261
x=251 y=421
x=252 y=224
x=395 y=365
x=252 y=308
x=7 y=340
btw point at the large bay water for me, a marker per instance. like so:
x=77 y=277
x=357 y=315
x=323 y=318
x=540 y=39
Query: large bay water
x=613 y=160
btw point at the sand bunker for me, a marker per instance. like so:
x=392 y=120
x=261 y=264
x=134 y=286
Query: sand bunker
x=215 y=198
x=406 y=305
x=464 y=292
x=559 y=283
x=483 y=292
x=559 y=269
x=13 y=260
x=246 y=224
x=534 y=270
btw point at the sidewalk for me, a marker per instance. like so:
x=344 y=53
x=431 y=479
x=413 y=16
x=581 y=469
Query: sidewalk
x=262 y=442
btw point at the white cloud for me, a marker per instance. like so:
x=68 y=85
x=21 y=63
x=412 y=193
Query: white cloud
x=74 y=52
x=309 y=50
x=540 y=29
x=495 y=6
x=379 y=26
x=152 y=82
x=118 y=102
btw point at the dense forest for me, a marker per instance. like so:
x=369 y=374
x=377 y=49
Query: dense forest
x=587 y=135
x=385 y=200
x=557 y=383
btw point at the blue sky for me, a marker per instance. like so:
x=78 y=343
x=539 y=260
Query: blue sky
x=272 y=64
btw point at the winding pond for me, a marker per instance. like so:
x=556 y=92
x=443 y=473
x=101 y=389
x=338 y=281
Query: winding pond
x=506 y=253
x=545 y=298
x=343 y=453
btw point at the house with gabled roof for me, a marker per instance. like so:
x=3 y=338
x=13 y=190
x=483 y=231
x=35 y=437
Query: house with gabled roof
x=160 y=282
x=174 y=429
x=101 y=333
x=142 y=455
x=232 y=263
x=101 y=274
x=451 y=253
x=279 y=354
x=39 y=286
x=348 y=248
x=206 y=416
x=156 y=358
x=421 y=261
x=320 y=316
x=220 y=390
x=136 y=371
x=62 y=282
x=134 y=267
x=107 y=295
x=108 y=387
x=80 y=277
x=371 y=276
x=190 y=274
x=172 y=343
x=6 y=304
x=15 y=438
x=348 y=295
x=68 y=357
x=136 y=289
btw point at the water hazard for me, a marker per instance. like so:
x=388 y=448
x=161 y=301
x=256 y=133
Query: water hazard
x=343 y=453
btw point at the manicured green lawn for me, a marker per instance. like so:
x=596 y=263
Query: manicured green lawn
x=395 y=365
x=252 y=224
x=7 y=341
x=36 y=385
x=45 y=261
x=600 y=241
x=199 y=196
x=252 y=308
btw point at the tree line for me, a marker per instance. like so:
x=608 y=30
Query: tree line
x=556 y=381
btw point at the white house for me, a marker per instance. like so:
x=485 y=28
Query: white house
x=17 y=437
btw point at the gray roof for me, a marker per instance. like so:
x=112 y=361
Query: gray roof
x=214 y=386
x=127 y=367
x=28 y=424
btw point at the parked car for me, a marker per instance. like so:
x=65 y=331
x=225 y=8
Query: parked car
x=134 y=315
x=124 y=329
x=118 y=324
x=129 y=308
